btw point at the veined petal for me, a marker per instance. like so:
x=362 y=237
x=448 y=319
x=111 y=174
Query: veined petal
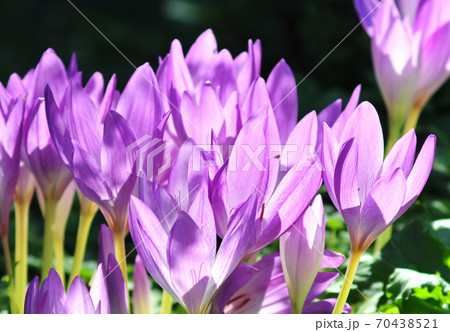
x=140 y=102
x=151 y=242
x=189 y=261
x=420 y=172
x=382 y=205
x=235 y=242
x=401 y=155
x=364 y=124
x=346 y=186
x=116 y=163
x=303 y=139
x=201 y=212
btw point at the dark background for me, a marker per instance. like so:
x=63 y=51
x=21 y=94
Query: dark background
x=301 y=32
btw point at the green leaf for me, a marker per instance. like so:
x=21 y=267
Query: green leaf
x=440 y=231
x=415 y=292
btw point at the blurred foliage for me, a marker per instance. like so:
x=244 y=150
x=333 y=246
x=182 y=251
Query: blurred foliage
x=301 y=32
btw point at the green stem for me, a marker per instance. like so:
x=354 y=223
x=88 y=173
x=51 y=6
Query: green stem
x=166 y=303
x=348 y=281
x=9 y=271
x=49 y=234
x=413 y=117
x=119 y=247
x=86 y=217
x=21 y=255
x=395 y=132
x=58 y=247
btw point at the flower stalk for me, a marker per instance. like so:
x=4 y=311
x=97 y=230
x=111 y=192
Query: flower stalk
x=49 y=234
x=352 y=267
x=21 y=250
x=166 y=303
x=87 y=214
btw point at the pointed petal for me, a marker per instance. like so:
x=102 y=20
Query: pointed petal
x=190 y=262
x=99 y=291
x=116 y=164
x=420 y=172
x=201 y=55
x=94 y=88
x=401 y=155
x=302 y=138
x=201 y=212
x=382 y=205
x=140 y=102
x=106 y=246
x=142 y=300
x=78 y=300
x=32 y=296
x=117 y=290
x=151 y=242
x=282 y=90
x=364 y=124
x=236 y=241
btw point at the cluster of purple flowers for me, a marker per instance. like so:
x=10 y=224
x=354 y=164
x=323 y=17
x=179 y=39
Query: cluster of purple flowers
x=205 y=164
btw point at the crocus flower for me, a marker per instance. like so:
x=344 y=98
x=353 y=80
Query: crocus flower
x=11 y=115
x=142 y=295
x=209 y=91
x=261 y=289
x=410 y=51
x=178 y=248
x=51 y=298
x=301 y=250
x=254 y=166
x=108 y=293
x=371 y=193
x=94 y=142
x=305 y=140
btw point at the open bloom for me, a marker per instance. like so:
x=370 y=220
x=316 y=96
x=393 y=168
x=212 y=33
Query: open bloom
x=410 y=50
x=254 y=166
x=210 y=93
x=178 y=248
x=371 y=193
x=261 y=289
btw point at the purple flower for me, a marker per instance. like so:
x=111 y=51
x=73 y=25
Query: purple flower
x=261 y=289
x=11 y=115
x=142 y=295
x=51 y=297
x=94 y=141
x=371 y=193
x=108 y=293
x=254 y=166
x=211 y=94
x=91 y=148
x=410 y=50
x=178 y=247
x=40 y=154
x=301 y=250
x=305 y=140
